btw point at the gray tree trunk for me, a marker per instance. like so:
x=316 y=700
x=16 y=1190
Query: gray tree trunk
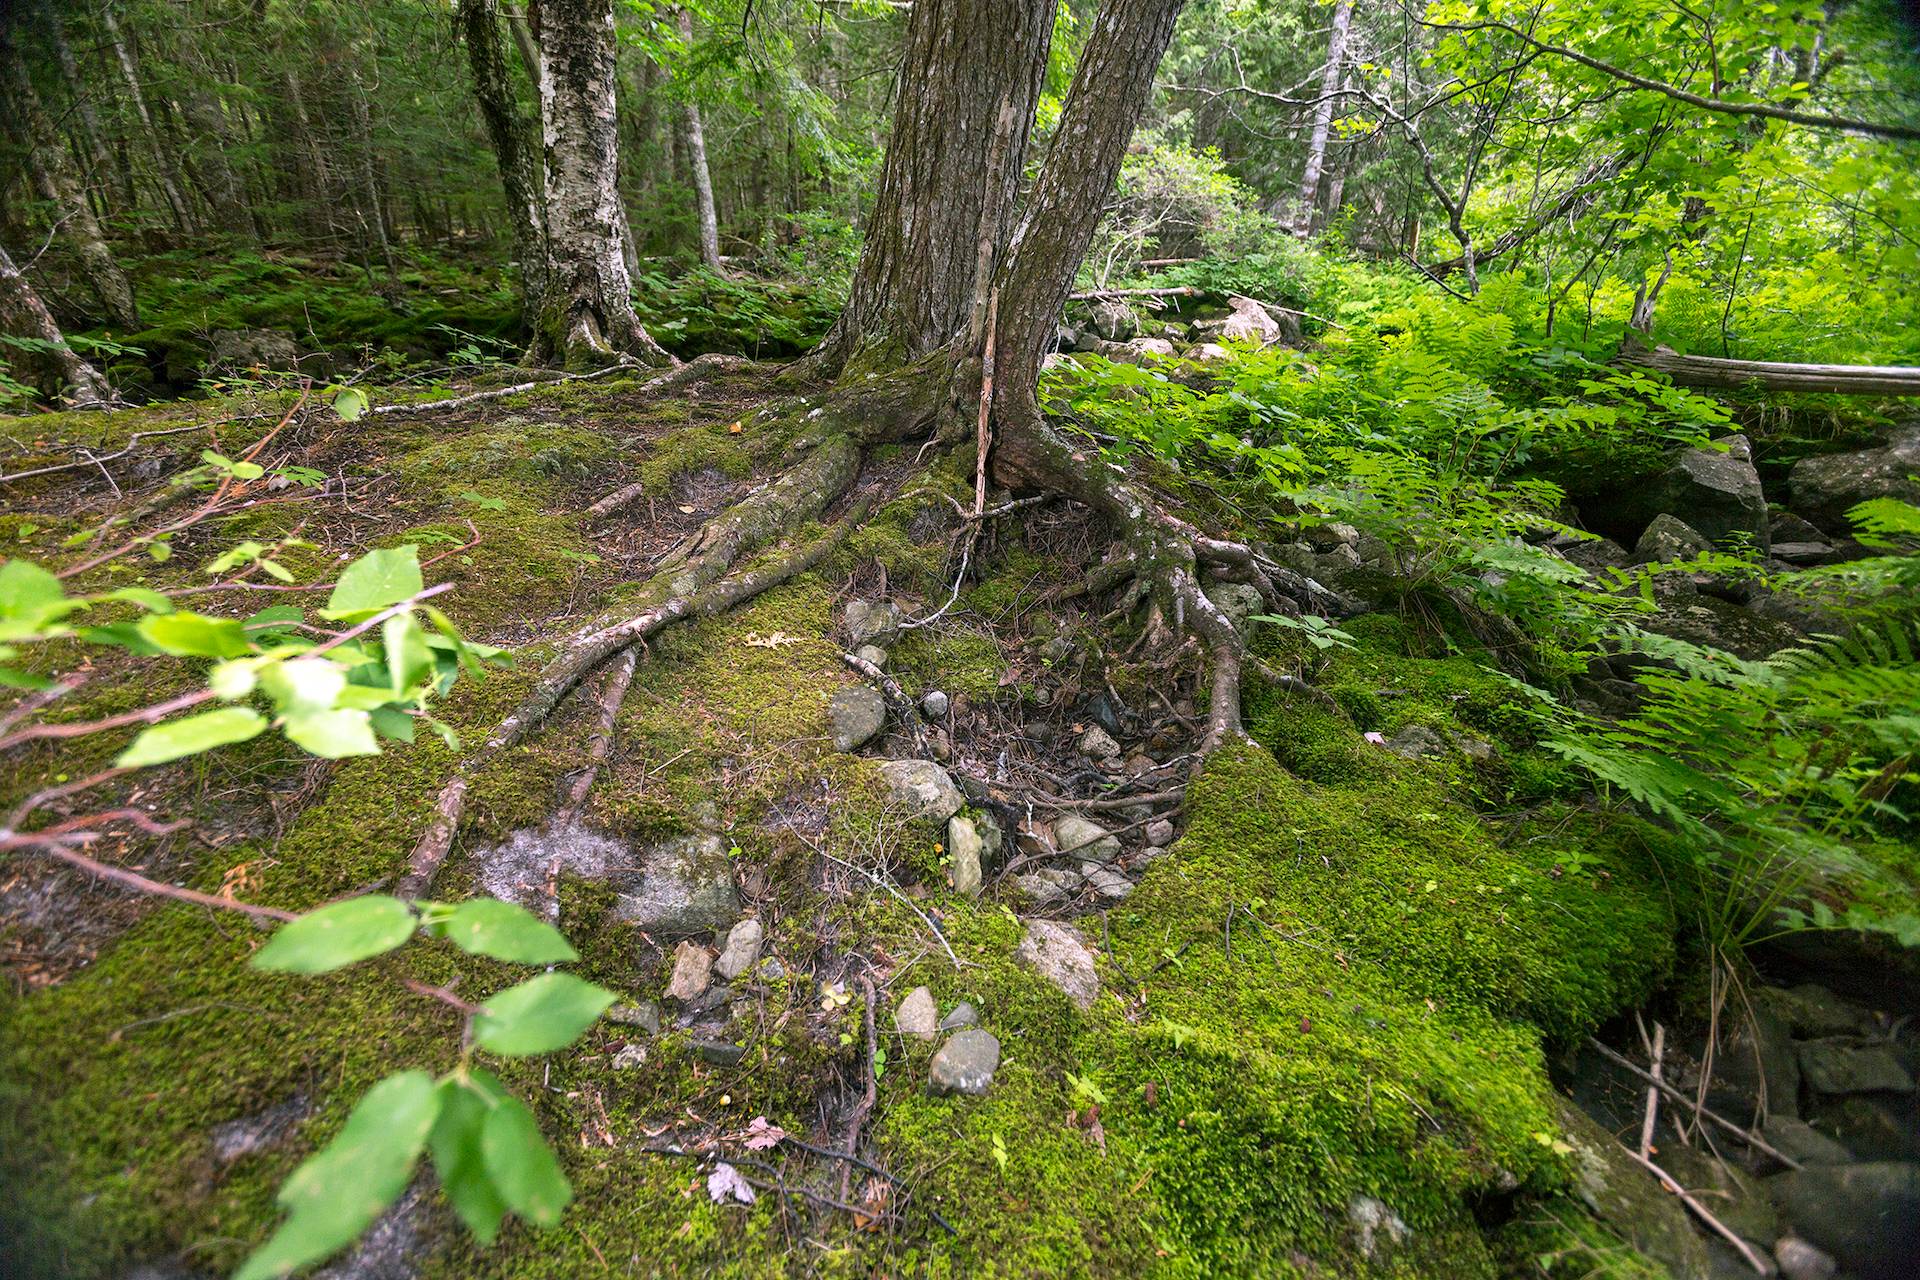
x=479 y=25
x=1323 y=120
x=98 y=155
x=47 y=166
x=221 y=186
x=54 y=363
x=587 y=318
x=694 y=134
x=156 y=151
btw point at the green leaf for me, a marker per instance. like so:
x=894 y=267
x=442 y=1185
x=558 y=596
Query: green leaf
x=333 y=735
x=521 y=1164
x=304 y=685
x=408 y=658
x=192 y=635
x=458 y=1159
x=391 y=722
x=30 y=597
x=160 y=552
x=374 y=581
x=490 y=927
x=190 y=736
x=350 y=403
x=336 y=935
x=540 y=1015
x=339 y=1191
x=145 y=597
x=274 y=618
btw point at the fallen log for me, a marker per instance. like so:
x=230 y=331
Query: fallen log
x=1768 y=375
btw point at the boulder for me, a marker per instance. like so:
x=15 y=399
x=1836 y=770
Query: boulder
x=922 y=787
x=918 y=1017
x=1594 y=554
x=1799 y=1260
x=1085 y=838
x=1627 y=1199
x=1842 y=1065
x=1140 y=351
x=241 y=349
x=1756 y=1061
x=1812 y=1012
x=1238 y=600
x=855 y=716
x=1208 y=353
x=1060 y=955
x=870 y=623
x=1113 y=319
x=1669 y=538
x=965 y=1063
x=1866 y=1215
x=679 y=886
x=742 y=951
x=1823 y=489
x=1248 y=321
x=1716 y=489
x=1417 y=742
x=1802 y=1142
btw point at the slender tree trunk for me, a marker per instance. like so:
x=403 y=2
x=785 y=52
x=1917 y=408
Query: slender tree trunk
x=88 y=120
x=970 y=78
x=479 y=25
x=695 y=134
x=1323 y=119
x=587 y=317
x=221 y=186
x=156 y=151
x=23 y=315
x=372 y=200
x=47 y=166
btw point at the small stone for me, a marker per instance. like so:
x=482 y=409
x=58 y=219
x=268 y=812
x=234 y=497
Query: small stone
x=1802 y=1261
x=1140 y=861
x=872 y=653
x=870 y=623
x=934 y=705
x=963 y=1015
x=631 y=1055
x=923 y=787
x=1097 y=744
x=772 y=970
x=682 y=885
x=968 y=850
x=1208 y=353
x=1159 y=832
x=722 y=1053
x=1105 y=881
x=918 y=1016
x=855 y=716
x=1048 y=887
x=1140 y=763
x=1060 y=955
x=1091 y=841
x=965 y=1063
x=645 y=1015
x=692 y=971
x=742 y=951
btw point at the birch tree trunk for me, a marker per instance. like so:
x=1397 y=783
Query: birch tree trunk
x=47 y=167
x=98 y=156
x=1323 y=120
x=695 y=135
x=157 y=153
x=23 y=315
x=479 y=24
x=587 y=317
x=372 y=200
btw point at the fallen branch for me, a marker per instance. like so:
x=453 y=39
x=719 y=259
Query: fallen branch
x=621 y=498
x=713 y=362
x=1770 y=375
x=1653 y=1091
x=1747 y=1136
x=1701 y=1211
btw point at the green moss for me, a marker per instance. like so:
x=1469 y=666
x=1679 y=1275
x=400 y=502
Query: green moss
x=958 y=661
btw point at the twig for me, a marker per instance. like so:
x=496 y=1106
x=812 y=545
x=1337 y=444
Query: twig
x=1747 y=1136
x=1720 y=1228
x=625 y=496
x=97 y=460
x=888 y=885
x=55 y=849
x=1653 y=1091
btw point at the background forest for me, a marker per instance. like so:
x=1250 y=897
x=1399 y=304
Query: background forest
x=959 y=638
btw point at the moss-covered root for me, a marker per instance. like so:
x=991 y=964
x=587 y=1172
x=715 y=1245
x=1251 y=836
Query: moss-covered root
x=796 y=497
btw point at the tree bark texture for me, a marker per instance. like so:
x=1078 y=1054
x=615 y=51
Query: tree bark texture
x=1323 y=120
x=23 y=315
x=479 y=24
x=587 y=317
x=970 y=78
x=47 y=166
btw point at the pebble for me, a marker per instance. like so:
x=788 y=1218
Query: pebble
x=872 y=653
x=918 y=1016
x=692 y=971
x=934 y=705
x=963 y=1015
x=645 y=1015
x=1160 y=832
x=1105 y=881
x=630 y=1056
x=1085 y=837
x=965 y=1063
x=966 y=849
x=742 y=951
x=1097 y=744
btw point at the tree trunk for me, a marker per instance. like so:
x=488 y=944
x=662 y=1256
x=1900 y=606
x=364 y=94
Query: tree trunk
x=23 y=315
x=372 y=201
x=221 y=186
x=1323 y=120
x=969 y=80
x=156 y=152
x=47 y=166
x=1772 y=376
x=695 y=136
x=479 y=25
x=587 y=318
x=88 y=119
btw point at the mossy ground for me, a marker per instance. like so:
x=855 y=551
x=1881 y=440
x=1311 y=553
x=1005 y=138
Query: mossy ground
x=1339 y=984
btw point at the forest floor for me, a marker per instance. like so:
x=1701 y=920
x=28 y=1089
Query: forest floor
x=1311 y=1009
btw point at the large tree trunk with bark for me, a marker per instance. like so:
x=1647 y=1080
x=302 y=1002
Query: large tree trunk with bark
x=47 y=166
x=1309 y=199
x=969 y=80
x=479 y=24
x=587 y=317
x=57 y=368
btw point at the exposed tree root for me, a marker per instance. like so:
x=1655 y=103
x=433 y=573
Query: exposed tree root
x=692 y=371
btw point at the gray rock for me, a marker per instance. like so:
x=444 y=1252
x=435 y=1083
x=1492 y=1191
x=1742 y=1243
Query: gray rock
x=1756 y=1063
x=972 y=841
x=934 y=704
x=692 y=972
x=1669 y=538
x=1114 y=320
x=1800 y=1260
x=870 y=623
x=1159 y=832
x=1825 y=488
x=1238 y=600
x=923 y=787
x=721 y=1053
x=965 y=1063
x=742 y=951
x=1208 y=353
x=918 y=1016
x=1140 y=861
x=1801 y=1141
x=1048 y=887
x=1619 y=1193
x=262 y=1131
x=1250 y=322
x=1873 y=1126
x=963 y=1015
x=1847 y=1066
x=1085 y=838
x=1866 y=1215
x=1810 y=1011
x=855 y=716
x=1060 y=955
x=1594 y=554
x=872 y=653
x=1720 y=623
x=1376 y=1227
x=1417 y=742
x=1803 y=553
x=680 y=886
x=238 y=349
x=1109 y=884
x=393 y=1247
x=1142 y=351
x=1096 y=743
x=1715 y=490
x=645 y=1015
x=631 y=1055
x=1788 y=527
